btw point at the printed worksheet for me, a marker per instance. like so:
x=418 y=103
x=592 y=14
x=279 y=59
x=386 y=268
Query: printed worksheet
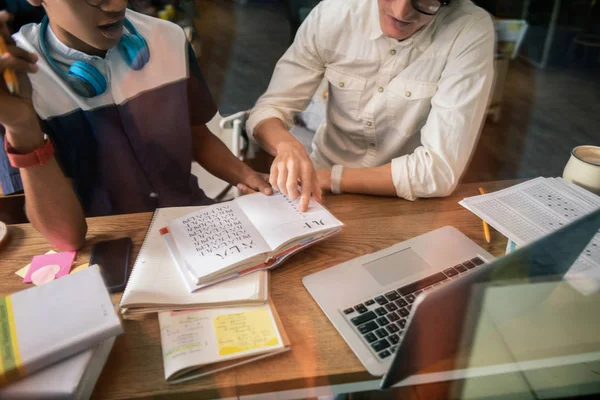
x=533 y=209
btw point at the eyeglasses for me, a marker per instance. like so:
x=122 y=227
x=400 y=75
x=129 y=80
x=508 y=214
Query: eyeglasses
x=429 y=7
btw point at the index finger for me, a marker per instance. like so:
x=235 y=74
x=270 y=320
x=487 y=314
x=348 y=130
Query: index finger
x=306 y=179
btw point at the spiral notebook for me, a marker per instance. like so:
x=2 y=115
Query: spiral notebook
x=155 y=283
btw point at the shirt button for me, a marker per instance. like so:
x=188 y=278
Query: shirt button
x=369 y=123
x=154 y=195
x=393 y=52
x=408 y=94
x=380 y=90
x=372 y=145
x=341 y=84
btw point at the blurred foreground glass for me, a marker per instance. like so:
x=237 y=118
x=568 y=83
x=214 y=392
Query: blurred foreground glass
x=583 y=168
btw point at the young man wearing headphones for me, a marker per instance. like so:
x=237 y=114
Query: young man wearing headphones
x=409 y=82
x=117 y=113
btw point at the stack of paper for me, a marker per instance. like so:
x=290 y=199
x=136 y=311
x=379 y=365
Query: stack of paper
x=528 y=211
x=156 y=285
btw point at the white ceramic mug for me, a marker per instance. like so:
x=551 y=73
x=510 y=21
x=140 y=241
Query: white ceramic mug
x=583 y=168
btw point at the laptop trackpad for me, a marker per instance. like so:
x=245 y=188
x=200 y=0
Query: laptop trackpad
x=396 y=266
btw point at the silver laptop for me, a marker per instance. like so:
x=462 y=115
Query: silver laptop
x=369 y=299
x=513 y=314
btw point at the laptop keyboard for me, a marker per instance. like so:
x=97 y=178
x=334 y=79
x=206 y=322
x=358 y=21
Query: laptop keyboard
x=381 y=320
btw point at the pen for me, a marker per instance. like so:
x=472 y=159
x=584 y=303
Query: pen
x=9 y=75
x=486 y=227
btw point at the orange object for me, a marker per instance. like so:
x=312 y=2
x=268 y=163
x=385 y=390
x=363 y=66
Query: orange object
x=9 y=75
x=486 y=227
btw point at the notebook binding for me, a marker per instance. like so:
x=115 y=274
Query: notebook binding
x=154 y=215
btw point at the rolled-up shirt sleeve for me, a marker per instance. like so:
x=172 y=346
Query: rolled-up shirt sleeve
x=454 y=122
x=296 y=77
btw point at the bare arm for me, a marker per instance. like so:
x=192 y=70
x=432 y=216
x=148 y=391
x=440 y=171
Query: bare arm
x=376 y=181
x=212 y=154
x=52 y=206
x=294 y=81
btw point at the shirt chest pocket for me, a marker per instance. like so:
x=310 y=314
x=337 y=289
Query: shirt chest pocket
x=410 y=102
x=345 y=91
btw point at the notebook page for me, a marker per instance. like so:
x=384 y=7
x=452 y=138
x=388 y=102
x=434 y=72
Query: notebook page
x=200 y=337
x=279 y=220
x=216 y=237
x=156 y=280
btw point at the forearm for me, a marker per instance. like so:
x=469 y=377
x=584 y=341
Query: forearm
x=375 y=181
x=271 y=134
x=52 y=207
x=214 y=156
x=51 y=204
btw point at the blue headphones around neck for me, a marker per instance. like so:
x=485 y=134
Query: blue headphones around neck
x=84 y=78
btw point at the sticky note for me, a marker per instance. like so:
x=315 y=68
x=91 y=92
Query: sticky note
x=23 y=271
x=45 y=274
x=80 y=268
x=241 y=332
x=63 y=260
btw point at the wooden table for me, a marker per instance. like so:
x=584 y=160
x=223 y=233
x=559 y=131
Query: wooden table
x=319 y=356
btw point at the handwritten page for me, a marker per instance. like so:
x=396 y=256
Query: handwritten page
x=184 y=340
x=197 y=338
x=284 y=221
x=216 y=237
x=241 y=332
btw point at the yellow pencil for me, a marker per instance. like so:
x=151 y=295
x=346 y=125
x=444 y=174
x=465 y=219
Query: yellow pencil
x=9 y=75
x=486 y=227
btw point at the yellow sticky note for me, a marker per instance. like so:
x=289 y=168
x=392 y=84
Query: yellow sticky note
x=80 y=268
x=250 y=330
x=23 y=271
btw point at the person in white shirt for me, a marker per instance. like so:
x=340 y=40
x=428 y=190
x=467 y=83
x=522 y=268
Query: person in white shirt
x=409 y=83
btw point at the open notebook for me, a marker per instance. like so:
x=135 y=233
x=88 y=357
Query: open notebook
x=250 y=233
x=155 y=283
x=202 y=342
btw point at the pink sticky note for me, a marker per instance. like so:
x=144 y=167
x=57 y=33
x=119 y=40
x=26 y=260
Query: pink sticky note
x=63 y=260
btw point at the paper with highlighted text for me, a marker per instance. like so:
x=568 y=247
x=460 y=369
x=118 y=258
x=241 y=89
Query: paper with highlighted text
x=193 y=339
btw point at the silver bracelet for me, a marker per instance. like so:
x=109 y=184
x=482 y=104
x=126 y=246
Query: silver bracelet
x=336 y=179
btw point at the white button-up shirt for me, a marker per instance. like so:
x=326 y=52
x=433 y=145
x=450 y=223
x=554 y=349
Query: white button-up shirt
x=417 y=103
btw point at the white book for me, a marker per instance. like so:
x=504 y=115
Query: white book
x=155 y=283
x=253 y=232
x=49 y=323
x=201 y=342
x=73 y=378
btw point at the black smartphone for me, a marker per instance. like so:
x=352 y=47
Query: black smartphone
x=113 y=257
